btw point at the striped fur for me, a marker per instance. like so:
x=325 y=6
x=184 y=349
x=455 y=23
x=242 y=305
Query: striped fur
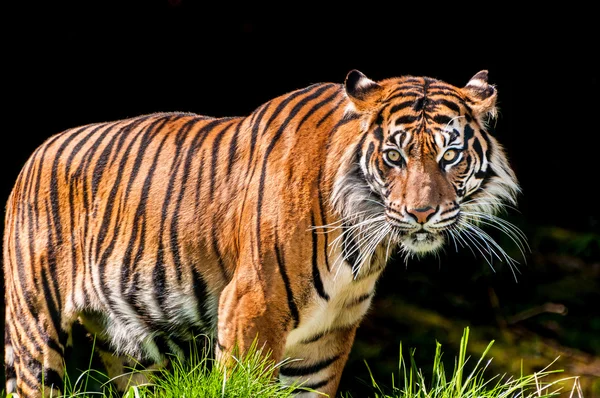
x=155 y=229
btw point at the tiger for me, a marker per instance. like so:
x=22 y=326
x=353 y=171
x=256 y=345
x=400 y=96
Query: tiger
x=272 y=227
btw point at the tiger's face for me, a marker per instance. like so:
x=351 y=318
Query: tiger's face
x=432 y=170
x=425 y=170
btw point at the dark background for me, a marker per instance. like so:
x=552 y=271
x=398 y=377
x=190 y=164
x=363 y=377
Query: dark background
x=71 y=64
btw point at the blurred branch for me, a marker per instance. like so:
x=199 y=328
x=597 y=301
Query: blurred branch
x=552 y=308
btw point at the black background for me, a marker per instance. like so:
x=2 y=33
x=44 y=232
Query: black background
x=76 y=63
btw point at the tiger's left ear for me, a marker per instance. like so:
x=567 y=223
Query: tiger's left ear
x=362 y=91
x=481 y=96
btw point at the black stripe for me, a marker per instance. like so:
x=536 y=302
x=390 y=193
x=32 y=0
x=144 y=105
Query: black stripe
x=233 y=147
x=400 y=106
x=406 y=119
x=487 y=177
x=256 y=120
x=320 y=335
x=407 y=92
x=422 y=102
x=448 y=104
x=445 y=92
x=51 y=378
x=360 y=299
x=10 y=373
x=316 y=274
x=378 y=134
x=308 y=369
x=333 y=109
x=286 y=283
x=478 y=150
x=135 y=300
x=323 y=216
x=379 y=166
x=442 y=119
x=198 y=190
x=201 y=294
x=349 y=247
x=316 y=337
x=215 y=246
x=371 y=271
x=160 y=285
x=368 y=161
x=451 y=209
x=53 y=309
x=314 y=386
x=469 y=132
x=215 y=160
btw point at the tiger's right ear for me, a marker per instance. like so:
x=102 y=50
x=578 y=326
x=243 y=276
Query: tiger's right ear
x=362 y=91
x=481 y=95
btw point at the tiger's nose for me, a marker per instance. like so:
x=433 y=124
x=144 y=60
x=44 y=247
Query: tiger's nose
x=421 y=214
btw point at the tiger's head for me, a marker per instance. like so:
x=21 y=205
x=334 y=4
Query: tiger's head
x=426 y=169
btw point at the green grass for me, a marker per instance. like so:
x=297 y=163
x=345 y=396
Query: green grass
x=470 y=381
x=252 y=377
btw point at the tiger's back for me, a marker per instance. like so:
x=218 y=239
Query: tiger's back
x=134 y=227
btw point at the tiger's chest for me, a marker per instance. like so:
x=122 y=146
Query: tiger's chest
x=343 y=304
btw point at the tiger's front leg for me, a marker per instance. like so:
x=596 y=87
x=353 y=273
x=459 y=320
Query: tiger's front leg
x=250 y=309
x=319 y=361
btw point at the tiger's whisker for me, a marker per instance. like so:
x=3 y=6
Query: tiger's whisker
x=506 y=227
x=468 y=235
x=515 y=235
x=374 y=242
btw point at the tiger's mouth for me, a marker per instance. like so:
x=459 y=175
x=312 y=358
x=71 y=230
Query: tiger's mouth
x=422 y=241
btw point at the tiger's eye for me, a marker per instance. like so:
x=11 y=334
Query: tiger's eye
x=450 y=155
x=393 y=156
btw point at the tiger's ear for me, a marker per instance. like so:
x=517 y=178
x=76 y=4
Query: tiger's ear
x=362 y=91
x=481 y=95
